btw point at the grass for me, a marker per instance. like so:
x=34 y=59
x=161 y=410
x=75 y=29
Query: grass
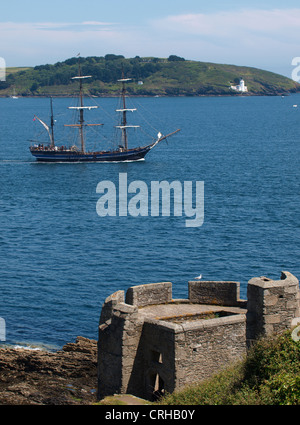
x=111 y=401
x=270 y=375
x=12 y=70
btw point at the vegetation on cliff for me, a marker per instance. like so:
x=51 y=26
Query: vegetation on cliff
x=270 y=375
x=173 y=76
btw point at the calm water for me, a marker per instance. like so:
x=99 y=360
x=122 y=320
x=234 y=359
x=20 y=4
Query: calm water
x=59 y=260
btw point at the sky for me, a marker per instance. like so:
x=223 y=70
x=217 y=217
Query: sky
x=262 y=34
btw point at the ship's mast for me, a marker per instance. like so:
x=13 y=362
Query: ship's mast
x=124 y=111
x=52 y=124
x=81 y=108
x=50 y=130
x=124 y=117
x=81 y=119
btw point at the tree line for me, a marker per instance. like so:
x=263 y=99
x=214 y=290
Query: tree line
x=107 y=69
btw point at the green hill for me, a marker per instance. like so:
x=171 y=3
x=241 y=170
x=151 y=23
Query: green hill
x=151 y=76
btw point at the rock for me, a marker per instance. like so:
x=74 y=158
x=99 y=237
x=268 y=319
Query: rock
x=68 y=376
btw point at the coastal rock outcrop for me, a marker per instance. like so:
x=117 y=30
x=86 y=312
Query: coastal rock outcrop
x=64 y=377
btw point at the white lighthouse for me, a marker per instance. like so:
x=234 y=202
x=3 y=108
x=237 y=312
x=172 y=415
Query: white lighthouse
x=240 y=87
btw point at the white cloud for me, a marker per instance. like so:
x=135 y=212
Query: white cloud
x=6 y=27
x=97 y=23
x=266 y=39
x=29 y=43
x=233 y=22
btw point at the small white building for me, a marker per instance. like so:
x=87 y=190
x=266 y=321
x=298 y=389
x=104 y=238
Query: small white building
x=240 y=87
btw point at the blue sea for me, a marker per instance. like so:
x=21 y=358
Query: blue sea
x=59 y=259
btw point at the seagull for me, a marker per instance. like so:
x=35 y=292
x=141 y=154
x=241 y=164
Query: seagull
x=198 y=277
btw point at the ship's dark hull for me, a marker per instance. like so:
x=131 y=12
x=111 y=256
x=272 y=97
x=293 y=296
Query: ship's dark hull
x=47 y=155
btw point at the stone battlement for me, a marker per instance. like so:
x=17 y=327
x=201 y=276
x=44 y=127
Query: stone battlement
x=150 y=343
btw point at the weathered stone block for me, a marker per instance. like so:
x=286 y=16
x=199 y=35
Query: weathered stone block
x=152 y=293
x=272 y=318
x=214 y=292
x=109 y=304
x=271 y=300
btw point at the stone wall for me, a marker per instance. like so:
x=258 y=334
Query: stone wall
x=177 y=355
x=119 y=338
x=204 y=350
x=152 y=293
x=159 y=358
x=120 y=351
x=109 y=305
x=211 y=292
x=272 y=305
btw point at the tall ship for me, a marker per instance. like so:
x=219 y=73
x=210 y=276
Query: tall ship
x=52 y=152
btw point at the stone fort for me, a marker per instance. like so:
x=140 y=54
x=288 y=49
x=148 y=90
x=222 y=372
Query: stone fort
x=150 y=343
